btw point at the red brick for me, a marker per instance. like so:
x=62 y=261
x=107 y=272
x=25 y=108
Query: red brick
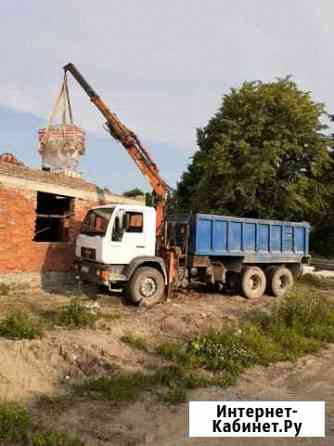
x=18 y=252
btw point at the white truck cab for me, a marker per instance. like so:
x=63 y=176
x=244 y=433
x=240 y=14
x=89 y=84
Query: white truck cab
x=117 y=247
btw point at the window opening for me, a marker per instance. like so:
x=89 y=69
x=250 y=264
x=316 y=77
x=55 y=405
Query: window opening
x=53 y=217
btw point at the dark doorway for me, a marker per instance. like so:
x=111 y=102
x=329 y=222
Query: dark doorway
x=53 y=217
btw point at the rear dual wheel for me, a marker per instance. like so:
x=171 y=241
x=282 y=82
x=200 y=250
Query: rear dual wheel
x=280 y=280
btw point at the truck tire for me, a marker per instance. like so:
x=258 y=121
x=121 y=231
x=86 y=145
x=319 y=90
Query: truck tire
x=147 y=284
x=253 y=282
x=281 y=281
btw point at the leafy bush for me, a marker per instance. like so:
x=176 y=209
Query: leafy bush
x=77 y=315
x=14 y=423
x=55 y=439
x=20 y=325
x=311 y=316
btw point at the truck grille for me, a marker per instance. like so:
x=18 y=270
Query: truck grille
x=88 y=253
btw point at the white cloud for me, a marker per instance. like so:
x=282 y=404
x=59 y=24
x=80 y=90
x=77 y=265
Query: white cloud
x=16 y=96
x=162 y=66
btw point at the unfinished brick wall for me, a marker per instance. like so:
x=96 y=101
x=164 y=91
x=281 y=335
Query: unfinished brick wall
x=18 y=251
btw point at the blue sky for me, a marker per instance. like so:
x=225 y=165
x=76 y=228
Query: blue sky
x=161 y=66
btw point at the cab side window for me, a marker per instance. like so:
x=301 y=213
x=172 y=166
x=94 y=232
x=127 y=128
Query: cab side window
x=135 y=222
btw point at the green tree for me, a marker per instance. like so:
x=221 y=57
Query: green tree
x=148 y=199
x=263 y=154
x=135 y=192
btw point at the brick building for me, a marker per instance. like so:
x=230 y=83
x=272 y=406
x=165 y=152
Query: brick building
x=40 y=216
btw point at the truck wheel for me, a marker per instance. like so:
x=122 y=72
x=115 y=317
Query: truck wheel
x=253 y=282
x=146 y=284
x=281 y=281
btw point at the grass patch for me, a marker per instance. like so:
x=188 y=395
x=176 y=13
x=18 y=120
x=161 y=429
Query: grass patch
x=178 y=353
x=53 y=406
x=16 y=428
x=308 y=315
x=233 y=350
x=136 y=342
x=175 y=395
x=14 y=424
x=176 y=381
x=55 y=439
x=317 y=281
x=173 y=381
x=174 y=376
x=77 y=315
x=117 y=388
x=111 y=316
x=20 y=325
x=300 y=324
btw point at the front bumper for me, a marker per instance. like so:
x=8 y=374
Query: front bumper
x=98 y=273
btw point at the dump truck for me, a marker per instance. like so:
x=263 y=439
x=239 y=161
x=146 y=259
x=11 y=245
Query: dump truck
x=148 y=253
x=117 y=248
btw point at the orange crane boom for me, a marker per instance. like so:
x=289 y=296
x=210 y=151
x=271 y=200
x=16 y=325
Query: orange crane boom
x=131 y=143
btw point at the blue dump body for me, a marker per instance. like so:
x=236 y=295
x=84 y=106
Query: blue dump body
x=256 y=241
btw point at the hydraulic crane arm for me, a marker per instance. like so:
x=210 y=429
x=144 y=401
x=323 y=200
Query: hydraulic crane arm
x=131 y=143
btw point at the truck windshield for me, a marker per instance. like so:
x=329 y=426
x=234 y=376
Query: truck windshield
x=96 y=221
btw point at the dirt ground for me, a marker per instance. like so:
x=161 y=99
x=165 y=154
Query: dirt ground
x=33 y=371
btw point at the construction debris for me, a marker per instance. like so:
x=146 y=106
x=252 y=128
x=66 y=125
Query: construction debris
x=10 y=158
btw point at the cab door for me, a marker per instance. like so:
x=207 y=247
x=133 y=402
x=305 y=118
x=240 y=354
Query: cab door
x=127 y=237
x=134 y=234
